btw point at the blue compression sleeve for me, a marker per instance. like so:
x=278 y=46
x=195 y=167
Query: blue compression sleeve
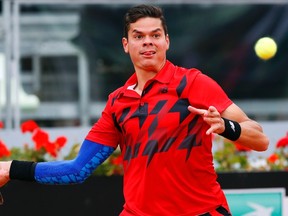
x=90 y=156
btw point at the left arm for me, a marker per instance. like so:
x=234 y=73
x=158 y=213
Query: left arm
x=251 y=135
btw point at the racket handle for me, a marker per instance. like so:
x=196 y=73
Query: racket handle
x=1 y=199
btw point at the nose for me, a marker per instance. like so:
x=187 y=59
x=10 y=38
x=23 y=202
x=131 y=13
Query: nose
x=147 y=41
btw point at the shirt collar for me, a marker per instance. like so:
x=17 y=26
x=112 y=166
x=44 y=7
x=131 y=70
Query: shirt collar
x=166 y=73
x=163 y=76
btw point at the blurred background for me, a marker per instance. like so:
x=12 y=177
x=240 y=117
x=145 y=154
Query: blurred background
x=59 y=60
x=65 y=58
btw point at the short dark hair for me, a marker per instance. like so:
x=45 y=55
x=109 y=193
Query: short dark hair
x=141 y=11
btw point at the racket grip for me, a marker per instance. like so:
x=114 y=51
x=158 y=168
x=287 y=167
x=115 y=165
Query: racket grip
x=1 y=199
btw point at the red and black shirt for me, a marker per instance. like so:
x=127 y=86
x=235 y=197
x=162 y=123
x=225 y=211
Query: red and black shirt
x=167 y=157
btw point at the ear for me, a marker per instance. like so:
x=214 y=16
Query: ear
x=125 y=45
x=168 y=41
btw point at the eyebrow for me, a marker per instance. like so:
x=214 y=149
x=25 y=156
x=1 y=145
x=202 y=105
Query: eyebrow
x=155 y=30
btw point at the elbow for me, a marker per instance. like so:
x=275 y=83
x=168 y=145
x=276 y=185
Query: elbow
x=264 y=144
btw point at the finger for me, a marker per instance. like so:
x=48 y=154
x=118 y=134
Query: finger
x=212 y=119
x=211 y=129
x=213 y=111
x=197 y=111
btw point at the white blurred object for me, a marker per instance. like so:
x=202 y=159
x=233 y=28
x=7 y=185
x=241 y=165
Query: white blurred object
x=26 y=101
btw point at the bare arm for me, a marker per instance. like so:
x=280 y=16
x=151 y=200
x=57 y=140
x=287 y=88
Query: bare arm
x=251 y=136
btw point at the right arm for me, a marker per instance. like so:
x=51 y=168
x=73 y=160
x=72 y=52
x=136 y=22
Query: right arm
x=90 y=156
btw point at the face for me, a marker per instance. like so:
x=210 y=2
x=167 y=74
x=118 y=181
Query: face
x=147 y=44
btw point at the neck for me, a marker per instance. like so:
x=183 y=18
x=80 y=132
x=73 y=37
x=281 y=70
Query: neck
x=144 y=75
x=143 y=78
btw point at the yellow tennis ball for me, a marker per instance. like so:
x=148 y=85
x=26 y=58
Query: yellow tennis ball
x=265 y=48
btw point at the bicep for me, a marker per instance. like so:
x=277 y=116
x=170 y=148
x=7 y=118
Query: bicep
x=235 y=113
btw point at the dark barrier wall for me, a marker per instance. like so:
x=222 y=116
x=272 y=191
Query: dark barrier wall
x=248 y=180
x=98 y=196
x=102 y=196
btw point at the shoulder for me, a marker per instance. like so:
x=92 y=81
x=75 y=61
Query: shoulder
x=197 y=79
x=191 y=74
x=193 y=71
x=116 y=93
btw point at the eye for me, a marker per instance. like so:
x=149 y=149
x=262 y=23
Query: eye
x=138 y=36
x=156 y=35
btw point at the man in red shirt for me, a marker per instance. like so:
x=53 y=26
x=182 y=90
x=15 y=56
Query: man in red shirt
x=162 y=118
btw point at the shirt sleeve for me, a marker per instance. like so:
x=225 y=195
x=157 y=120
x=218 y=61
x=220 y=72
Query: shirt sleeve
x=105 y=131
x=205 y=92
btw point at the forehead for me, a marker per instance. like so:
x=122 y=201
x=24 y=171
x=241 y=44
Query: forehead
x=147 y=24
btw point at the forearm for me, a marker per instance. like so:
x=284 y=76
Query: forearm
x=90 y=156
x=247 y=133
x=252 y=136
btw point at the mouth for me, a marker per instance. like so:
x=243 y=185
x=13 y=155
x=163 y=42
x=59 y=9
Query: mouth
x=148 y=53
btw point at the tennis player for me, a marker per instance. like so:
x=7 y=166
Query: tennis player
x=163 y=118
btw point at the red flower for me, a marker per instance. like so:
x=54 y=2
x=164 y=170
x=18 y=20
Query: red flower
x=51 y=148
x=272 y=158
x=1 y=124
x=242 y=148
x=29 y=126
x=283 y=142
x=117 y=160
x=61 y=141
x=41 y=138
x=4 y=151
